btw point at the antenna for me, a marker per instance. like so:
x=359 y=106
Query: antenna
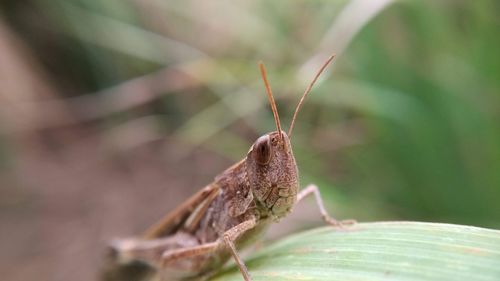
x=271 y=98
x=299 y=105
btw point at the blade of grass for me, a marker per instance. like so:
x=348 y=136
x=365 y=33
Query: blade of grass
x=379 y=251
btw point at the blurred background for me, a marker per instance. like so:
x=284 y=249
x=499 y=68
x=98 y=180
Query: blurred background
x=112 y=112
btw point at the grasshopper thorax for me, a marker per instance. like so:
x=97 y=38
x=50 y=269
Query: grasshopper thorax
x=273 y=174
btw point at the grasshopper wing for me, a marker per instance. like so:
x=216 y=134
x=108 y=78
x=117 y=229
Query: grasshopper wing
x=191 y=209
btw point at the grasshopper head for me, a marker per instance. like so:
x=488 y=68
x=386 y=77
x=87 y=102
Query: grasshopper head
x=273 y=173
x=271 y=167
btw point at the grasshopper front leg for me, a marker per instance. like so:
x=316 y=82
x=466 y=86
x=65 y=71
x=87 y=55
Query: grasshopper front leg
x=227 y=240
x=313 y=189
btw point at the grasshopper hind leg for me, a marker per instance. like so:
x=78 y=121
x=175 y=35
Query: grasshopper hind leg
x=149 y=251
x=179 y=256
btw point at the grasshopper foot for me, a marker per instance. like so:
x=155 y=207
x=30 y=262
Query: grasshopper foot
x=340 y=224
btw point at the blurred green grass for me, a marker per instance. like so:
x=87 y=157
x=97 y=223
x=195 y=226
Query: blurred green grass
x=405 y=126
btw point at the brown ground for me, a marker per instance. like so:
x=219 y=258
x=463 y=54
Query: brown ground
x=59 y=208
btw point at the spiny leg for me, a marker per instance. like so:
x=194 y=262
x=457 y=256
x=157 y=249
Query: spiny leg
x=227 y=239
x=313 y=189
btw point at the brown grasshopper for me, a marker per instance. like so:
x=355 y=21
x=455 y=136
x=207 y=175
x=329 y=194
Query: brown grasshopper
x=199 y=236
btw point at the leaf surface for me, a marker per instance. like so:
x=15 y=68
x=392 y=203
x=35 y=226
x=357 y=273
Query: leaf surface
x=379 y=251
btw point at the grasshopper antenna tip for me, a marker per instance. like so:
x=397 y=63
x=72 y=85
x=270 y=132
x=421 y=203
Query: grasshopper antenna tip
x=306 y=92
x=271 y=98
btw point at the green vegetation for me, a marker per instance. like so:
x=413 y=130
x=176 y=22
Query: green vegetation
x=406 y=125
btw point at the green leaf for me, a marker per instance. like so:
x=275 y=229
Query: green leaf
x=379 y=251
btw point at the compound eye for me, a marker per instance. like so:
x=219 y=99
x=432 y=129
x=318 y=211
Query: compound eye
x=262 y=150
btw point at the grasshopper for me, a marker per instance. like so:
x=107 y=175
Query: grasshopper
x=203 y=233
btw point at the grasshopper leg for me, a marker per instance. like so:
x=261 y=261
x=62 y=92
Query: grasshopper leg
x=227 y=240
x=150 y=251
x=230 y=236
x=313 y=189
